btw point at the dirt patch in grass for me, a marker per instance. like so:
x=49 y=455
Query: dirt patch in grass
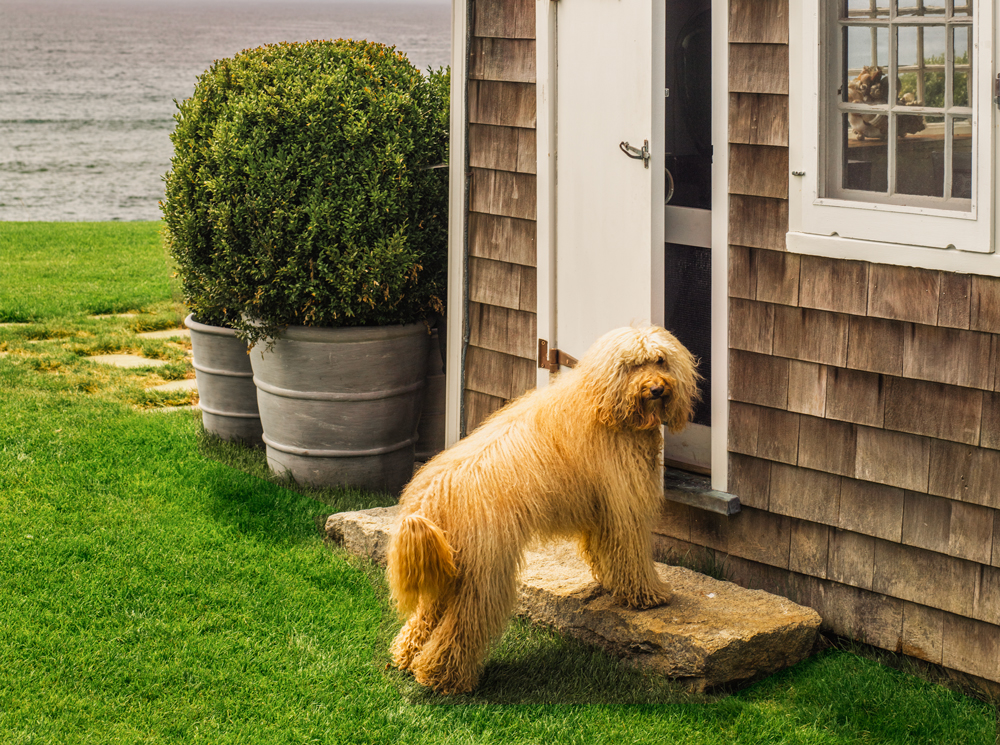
x=53 y=356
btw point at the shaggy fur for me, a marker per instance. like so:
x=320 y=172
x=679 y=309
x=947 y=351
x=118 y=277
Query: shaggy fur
x=579 y=458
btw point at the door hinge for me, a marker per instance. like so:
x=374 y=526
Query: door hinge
x=552 y=359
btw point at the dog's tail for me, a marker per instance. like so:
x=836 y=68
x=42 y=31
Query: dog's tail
x=420 y=562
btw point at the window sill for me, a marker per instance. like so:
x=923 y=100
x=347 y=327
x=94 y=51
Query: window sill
x=898 y=254
x=696 y=491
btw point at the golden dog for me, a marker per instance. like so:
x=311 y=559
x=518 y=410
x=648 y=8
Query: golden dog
x=579 y=458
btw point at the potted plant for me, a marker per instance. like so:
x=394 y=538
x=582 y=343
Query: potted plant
x=227 y=394
x=327 y=225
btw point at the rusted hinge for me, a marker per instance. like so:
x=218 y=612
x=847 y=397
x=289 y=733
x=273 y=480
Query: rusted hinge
x=552 y=359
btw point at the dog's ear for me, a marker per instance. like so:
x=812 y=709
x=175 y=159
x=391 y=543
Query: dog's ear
x=681 y=410
x=684 y=379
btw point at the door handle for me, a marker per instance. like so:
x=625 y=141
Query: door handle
x=636 y=153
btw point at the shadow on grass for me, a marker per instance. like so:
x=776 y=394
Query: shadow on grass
x=528 y=665
x=531 y=665
x=272 y=507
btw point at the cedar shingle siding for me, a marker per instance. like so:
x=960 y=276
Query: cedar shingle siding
x=500 y=356
x=864 y=426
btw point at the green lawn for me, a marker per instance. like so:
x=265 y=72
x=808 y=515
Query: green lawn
x=56 y=269
x=158 y=586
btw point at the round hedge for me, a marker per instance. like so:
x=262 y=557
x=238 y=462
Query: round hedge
x=301 y=190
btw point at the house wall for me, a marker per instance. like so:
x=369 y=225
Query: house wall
x=864 y=427
x=500 y=357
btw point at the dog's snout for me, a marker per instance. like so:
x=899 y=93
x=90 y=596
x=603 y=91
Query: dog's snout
x=656 y=391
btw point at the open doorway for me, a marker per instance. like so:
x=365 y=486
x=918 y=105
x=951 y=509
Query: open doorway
x=687 y=211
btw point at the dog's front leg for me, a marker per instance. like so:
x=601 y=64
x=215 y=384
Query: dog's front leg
x=623 y=564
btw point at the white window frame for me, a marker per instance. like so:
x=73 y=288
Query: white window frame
x=886 y=233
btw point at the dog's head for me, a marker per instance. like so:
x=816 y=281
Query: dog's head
x=641 y=378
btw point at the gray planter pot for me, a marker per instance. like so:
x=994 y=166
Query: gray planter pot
x=340 y=406
x=225 y=384
x=430 y=432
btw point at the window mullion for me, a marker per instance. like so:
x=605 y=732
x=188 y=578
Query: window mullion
x=949 y=92
x=891 y=139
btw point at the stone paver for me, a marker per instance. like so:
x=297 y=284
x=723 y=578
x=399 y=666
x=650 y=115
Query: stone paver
x=176 y=385
x=166 y=334
x=712 y=632
x=166 y=409
x=126 y=360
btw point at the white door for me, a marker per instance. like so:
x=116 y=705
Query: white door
x=602 y=83
x=608 y=206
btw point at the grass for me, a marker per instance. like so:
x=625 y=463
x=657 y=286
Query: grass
x=58 y=269
x=159 y=586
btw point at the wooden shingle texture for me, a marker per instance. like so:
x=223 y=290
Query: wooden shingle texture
x=864 y=423
x=501 y=300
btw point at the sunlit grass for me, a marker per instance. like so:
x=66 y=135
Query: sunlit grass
x=51 y=269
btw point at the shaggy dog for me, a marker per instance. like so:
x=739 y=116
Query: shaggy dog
x=579 y=458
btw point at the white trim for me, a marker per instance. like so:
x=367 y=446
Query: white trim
x=658 y=164
x=946 y=260
x=720 y=244
x=545 y=133
x=687 y=226
x=457 y=184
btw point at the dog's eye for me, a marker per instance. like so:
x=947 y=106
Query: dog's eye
x=659 y=360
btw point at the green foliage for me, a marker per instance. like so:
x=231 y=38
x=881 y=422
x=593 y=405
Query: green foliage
x=301 y=190
x=934 y=83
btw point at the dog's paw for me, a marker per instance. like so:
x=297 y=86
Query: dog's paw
x=402 y=656
x=647 y=598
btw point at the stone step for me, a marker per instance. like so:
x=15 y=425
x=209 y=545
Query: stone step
x=711 y=633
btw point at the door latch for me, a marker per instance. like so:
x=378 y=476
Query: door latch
x=552 y=359
x=635 y=153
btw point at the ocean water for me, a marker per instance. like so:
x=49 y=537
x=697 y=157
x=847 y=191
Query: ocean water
x=87 y=87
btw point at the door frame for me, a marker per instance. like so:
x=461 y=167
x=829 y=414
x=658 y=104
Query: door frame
x=547 y=147
x=456 y=309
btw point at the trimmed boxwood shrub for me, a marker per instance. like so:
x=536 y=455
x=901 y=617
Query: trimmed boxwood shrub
x=301 y=189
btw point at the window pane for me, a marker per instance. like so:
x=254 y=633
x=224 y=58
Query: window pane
x=962 y=70
x=865 y=49
x=866 y=45
x=920 y=58
x=865 y=157
x=867 y=8
x=963 y=8
x=920 y=7
x=961 y=155
x=920 y=155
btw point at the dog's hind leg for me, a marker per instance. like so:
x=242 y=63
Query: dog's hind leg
x=415 y=632
x=451 y=659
